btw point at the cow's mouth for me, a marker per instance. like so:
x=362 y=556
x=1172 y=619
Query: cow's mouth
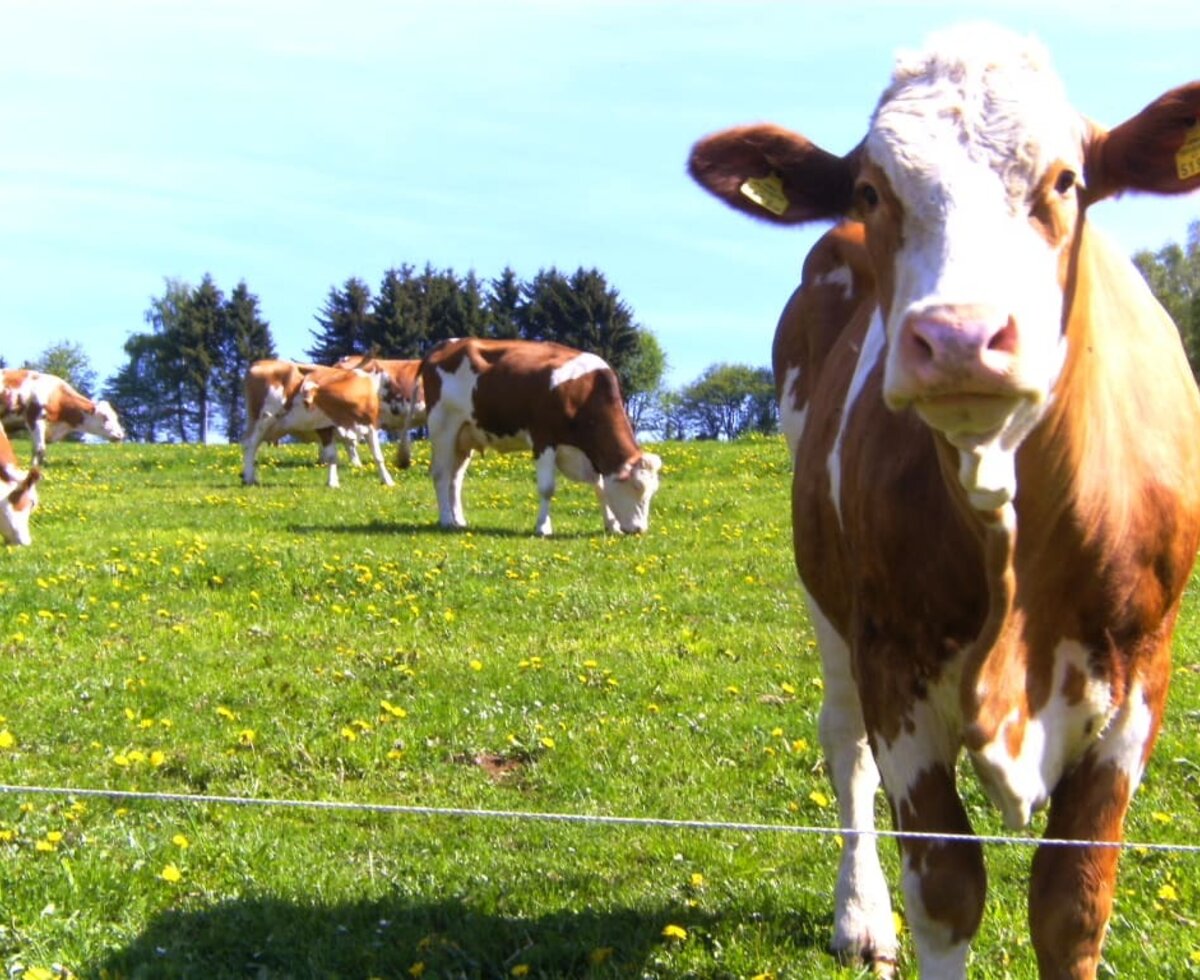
x=967 y=419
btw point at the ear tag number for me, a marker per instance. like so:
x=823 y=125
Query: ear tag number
x=1187 y=160
x=766 y=192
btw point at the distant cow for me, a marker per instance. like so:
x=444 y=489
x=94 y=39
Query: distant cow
x=18 y=495
x=403 y=402
x=996 y=499
x=563 y=404
x=285 y=398
x=51 y=409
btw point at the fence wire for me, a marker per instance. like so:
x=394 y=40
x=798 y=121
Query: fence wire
x=405 y=810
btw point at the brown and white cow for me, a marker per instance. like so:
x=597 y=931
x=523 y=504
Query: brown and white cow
x=284 y=398
x=996 y=500
x=563 y=404
x=18 y=495
x=403 y=402
x=50 y=409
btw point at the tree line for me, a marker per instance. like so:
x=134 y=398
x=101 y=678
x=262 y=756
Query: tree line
x=182 y=378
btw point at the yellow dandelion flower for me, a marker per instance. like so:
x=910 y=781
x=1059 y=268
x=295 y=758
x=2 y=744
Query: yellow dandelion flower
x=787 y=688
x=520 y=970
x=44 y=846
x=157 y=758
x=776 y=733
x=349 y=734
x=226 y=713
x=38 y=973
x=54 y=836
x=697 y=879
x=417 y=969
x=476 y=665
x=600 y=955
x=819 y=798
x=171 y=874
x=548 y=742
x=7 y=739
x=120 y=760
x=181 y=842
x=674 y=932
x=1168 y=894
x=1161 y=817
x=247 y=736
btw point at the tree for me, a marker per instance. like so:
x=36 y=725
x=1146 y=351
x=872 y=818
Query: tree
x=245 y=338
x=584 y=312
x=728 y=400
x=67 y=360
x=142 y=403
x=199 y=347
x=503 y=305
x=1173 y=274
x=647 y=366
x=396 y=328
x=346 y=323
x=165 y=369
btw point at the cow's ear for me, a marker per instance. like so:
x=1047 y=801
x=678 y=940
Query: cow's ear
x=774 y=174
x=1156 y=152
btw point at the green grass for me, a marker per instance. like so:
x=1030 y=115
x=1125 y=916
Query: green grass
x=171 y=631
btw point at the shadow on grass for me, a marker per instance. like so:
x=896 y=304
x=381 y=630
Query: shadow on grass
x=408 y=528
x=389 y=937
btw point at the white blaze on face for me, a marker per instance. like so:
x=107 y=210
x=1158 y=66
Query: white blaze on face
x=965 y=136
x=577 y=367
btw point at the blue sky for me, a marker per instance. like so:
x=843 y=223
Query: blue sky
x=293 y=144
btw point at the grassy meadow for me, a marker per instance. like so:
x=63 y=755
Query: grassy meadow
x=171 y=631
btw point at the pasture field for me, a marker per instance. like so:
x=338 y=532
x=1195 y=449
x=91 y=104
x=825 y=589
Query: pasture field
x=172 y=632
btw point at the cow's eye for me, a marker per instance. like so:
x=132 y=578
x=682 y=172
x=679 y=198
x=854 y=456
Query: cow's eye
x=868 y=196
x=1066 y=180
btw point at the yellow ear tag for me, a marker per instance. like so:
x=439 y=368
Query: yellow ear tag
x=1187 y=160
x=766 y=192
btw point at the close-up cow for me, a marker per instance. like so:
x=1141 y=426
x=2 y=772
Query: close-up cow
x=18 y=495
x=996 y=496
x=563 y=404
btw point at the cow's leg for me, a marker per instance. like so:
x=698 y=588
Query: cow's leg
x=1071 y=888
x=328 y=456
x=377 y=455
x=863 y=927
x=547 y=468
x=37 y=435
x=448 y=469
x=944 y=881
x=352 y=457
x=250 y=443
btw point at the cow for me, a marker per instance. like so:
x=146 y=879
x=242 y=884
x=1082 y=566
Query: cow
x=563 y=404
x=996 y=489
x=18 y=495
x=404 y=403
x=50 y=409
x=284 y=398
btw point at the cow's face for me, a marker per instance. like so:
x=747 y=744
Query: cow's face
x=968 y=190
x=627 y=494
x=106 y=423
x=18 y=503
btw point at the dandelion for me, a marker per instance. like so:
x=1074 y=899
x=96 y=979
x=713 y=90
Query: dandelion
x=417 y=969
x=674 y=932
x=171 y=874
x=1168 y=894
x=7 y=739
x=787 y=688
x=246 y=737
x=548 y=742
x=54 y=836
x=520 y=970
x=476 y=665
x=349 y=734
x=226 y=713
x=394 y=710
x=776 y=733
x=1161 y=817
x=45 y=846
x=157 y=758
x=697 y=879
x=181 y=842
x=819 y=798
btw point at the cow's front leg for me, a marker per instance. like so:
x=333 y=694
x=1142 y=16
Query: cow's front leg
x=377 y=455
x=253 y=439
x=547 y=467
x=863 y=927
x=448 y=470
x=1071 y=888
x=37 y=435
x=944 y=881
x=328 y=456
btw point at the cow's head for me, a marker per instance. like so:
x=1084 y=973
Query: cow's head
x=19 y=500
x=628 y=492
x=971 y=184
x=103 y=422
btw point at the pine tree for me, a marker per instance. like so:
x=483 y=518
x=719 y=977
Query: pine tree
x=346 y=323
x=503 y=306
x=245 y=338
x=201 y=329
x=397 y=324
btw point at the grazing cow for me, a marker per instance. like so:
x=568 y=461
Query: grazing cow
x=50 y=409
x=18 y=495
x=563 y=404
x=404 y=402
x=996 y=499
x=284 y=398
